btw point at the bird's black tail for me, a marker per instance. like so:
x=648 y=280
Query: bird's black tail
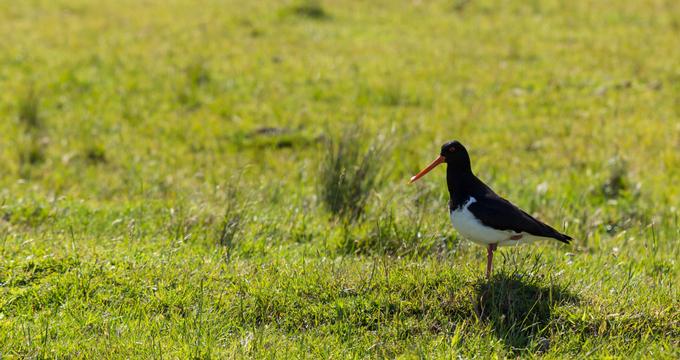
x=563 y=238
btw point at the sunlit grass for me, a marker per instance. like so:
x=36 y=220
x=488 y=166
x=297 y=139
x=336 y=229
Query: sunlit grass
x=210 y=178
x=350 y=171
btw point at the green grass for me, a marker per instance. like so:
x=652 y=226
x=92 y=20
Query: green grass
x=349 y=172
x=159 y=178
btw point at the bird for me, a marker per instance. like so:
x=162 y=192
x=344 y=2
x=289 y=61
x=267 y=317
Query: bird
x=481 y=215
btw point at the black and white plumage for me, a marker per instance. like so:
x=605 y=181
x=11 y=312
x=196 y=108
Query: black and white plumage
x=481 y=215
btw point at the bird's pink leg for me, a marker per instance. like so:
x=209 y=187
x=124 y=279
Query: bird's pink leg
x=489 y=259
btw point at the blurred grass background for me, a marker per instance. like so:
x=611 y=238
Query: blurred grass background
x=161 y=166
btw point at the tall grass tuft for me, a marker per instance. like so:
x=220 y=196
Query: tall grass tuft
x=349 y=171
x=31 y=153
x=198 y=73
x=29 y=106
x=617 y=182
x=31 y=146
x=95 y=154
x=310 y=9
x=459 y=6
x=232 y=220
x=197 y=77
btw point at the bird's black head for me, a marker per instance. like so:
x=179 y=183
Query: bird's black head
x=454 y=154
x=453 y=150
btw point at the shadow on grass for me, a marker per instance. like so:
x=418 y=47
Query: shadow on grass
x=519 y=307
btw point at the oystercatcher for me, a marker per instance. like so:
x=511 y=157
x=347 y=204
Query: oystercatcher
x=479 y=214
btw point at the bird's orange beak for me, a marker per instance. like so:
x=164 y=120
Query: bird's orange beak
x=426 y=170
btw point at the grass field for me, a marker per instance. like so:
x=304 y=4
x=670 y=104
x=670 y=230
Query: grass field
x=169 y=172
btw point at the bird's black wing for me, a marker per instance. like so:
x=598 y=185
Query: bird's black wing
x=494 y=211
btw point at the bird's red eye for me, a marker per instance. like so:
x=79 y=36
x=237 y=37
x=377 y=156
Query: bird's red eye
x=452 y=149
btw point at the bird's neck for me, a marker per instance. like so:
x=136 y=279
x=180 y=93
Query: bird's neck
x=462 y=184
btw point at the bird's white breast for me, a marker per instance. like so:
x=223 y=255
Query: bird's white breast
x=472 y=229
